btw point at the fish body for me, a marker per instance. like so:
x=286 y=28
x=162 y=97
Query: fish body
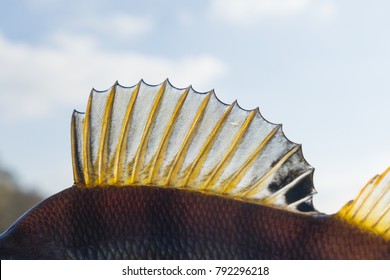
x=163 y=173
x=140 y=223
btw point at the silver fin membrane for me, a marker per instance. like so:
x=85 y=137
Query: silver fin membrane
x=178 y=138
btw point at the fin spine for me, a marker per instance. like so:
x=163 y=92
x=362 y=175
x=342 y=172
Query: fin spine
x=177 y=162
x=86 y=144
x=156 y=162
x=240 y=173
x=295 y=203
x=366 y=196
x=73 y=134
x=103 y=152
x=370 y=209
x=201 y=157
x=166 y=137
x=347 y=211
x=77 y=172
x=260 y=183
x=290 y=185
x=140 y=155
x=386 y=211
x=120 y=155
x=376 y=202
x=232 y=149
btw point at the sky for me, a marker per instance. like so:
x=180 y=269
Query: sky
x=319 y=67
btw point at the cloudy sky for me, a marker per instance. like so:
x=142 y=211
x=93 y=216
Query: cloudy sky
x=319 y=67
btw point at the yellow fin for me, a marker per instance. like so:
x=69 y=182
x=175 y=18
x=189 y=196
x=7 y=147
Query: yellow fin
x=178 y=138
x=370 y=210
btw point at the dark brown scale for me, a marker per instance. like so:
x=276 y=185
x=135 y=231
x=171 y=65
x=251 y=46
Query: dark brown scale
x=157 y=223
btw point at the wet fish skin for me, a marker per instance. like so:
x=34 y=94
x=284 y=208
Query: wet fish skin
x=165 y=223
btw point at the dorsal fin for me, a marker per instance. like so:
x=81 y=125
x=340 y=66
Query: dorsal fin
x=178 y=138
x=370 y=210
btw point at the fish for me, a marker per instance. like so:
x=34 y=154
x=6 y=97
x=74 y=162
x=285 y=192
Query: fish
x=171 y=173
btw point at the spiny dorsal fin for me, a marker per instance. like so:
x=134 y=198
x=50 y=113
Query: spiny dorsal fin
x=178 y=138
x=370 y=210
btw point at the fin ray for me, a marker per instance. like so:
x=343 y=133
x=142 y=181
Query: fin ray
x=370 y=210
x=179 y=138
x=167 y=133
x=77 y=147
x=146 y=133
x=228 y=155
x=201 y=157
x=120 y=155
x=233 y=180
x=103 y=149
x=188 y=138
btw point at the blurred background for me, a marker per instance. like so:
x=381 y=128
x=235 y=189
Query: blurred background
x=320 y=67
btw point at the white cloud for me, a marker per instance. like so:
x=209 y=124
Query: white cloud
x=118 y=25
x=36 y=80
x=326 y=10
x=249 y=12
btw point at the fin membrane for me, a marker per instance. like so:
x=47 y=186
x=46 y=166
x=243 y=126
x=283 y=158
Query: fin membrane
x=178 y=138
x=371 y=208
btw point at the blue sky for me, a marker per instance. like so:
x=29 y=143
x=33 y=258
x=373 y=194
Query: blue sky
x=319 y=67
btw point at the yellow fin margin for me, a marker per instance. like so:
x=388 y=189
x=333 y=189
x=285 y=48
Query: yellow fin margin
x=178 y=138
x=370 y=210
